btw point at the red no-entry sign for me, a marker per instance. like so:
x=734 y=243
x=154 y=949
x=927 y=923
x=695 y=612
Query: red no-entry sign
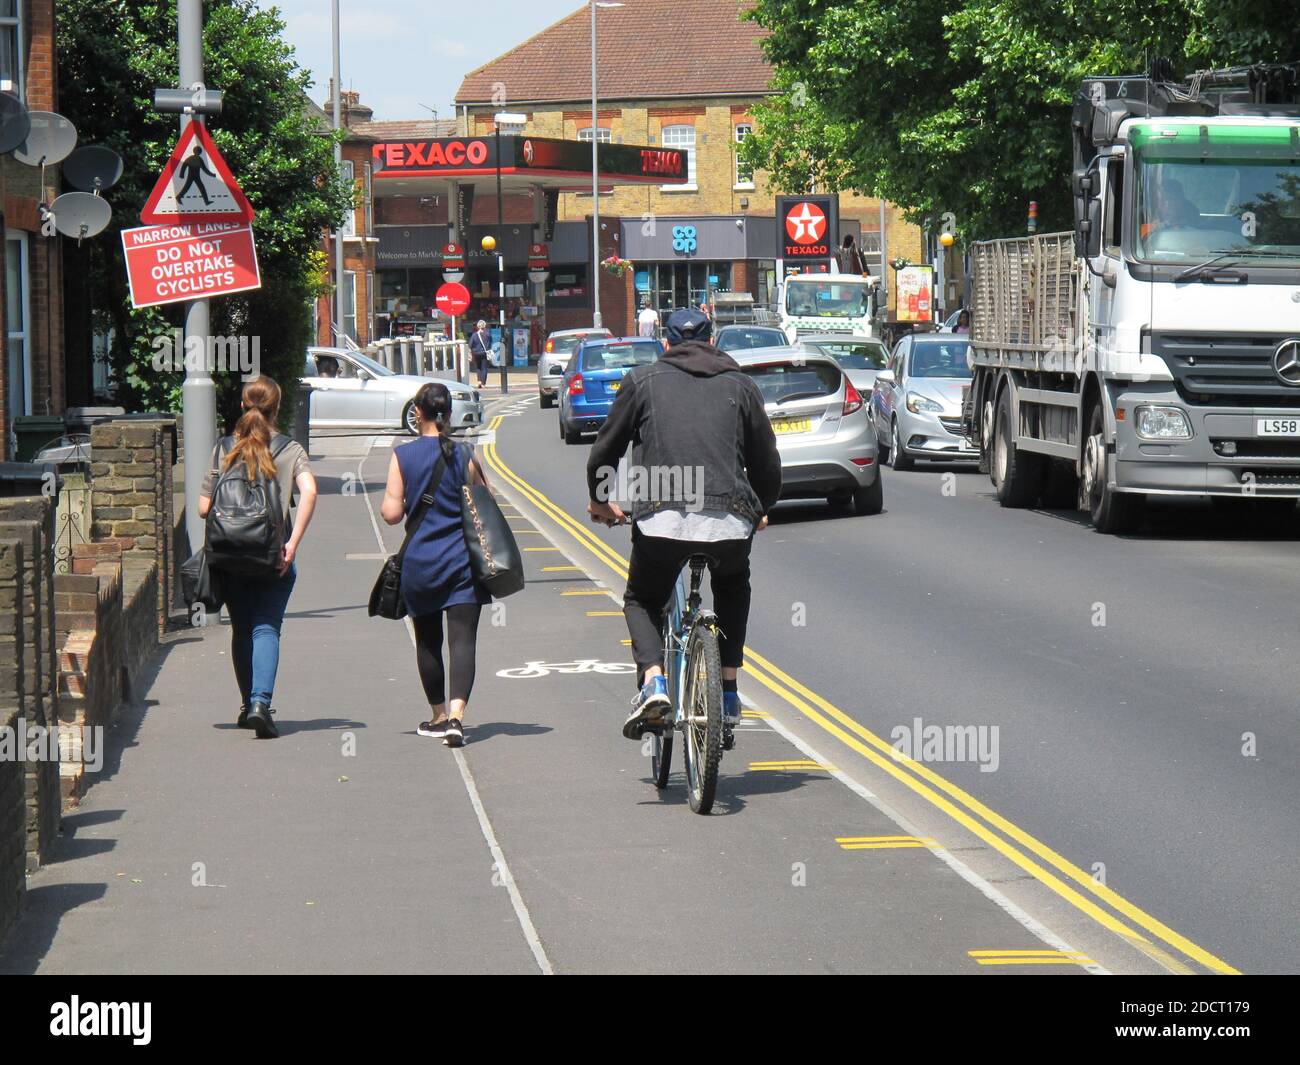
x=189 y=261
x=452 y=299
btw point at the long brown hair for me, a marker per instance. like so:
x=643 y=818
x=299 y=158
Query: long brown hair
x=253 y=431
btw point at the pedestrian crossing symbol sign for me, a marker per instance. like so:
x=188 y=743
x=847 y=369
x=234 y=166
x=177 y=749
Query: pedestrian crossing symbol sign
x=196 y=185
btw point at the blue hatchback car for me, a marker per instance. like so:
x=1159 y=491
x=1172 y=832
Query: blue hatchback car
x=593 y=377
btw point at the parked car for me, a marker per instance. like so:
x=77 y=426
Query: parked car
x=551 y=363
x=742 y=337
x=859 y=357
x=592 y=379
x=823 y=429
x=917 y=400
x=950 y=323
x=351 y=390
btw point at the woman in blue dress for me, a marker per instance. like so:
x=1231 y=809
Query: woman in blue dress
x=436 y=575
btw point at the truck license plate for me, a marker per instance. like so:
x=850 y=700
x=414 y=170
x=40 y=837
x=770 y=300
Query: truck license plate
x=1278 y=426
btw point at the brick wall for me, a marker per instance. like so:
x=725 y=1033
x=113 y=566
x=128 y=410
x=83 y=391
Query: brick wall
x=13 y=806
x=30 y=519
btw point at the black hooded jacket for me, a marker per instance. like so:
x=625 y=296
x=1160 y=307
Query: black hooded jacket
x=693 y=408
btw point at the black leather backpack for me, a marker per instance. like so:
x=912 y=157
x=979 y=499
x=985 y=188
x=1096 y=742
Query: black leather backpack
x=245 y=524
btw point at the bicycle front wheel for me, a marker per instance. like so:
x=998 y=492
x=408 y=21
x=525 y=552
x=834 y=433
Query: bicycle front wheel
x=702 y=722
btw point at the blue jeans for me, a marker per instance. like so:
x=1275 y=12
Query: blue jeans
x=256 y=610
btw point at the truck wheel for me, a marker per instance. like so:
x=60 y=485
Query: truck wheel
x=986 y=439
x=1112 y=512
x=1017 y=475
x=898 y=458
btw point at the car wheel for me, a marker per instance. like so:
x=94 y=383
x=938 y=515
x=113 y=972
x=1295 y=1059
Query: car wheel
x=871 y=499
x=898 y=458
x=571 y=436
x=547 y=401
x=408 y=419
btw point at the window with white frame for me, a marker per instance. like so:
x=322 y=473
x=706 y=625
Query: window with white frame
x=744 y=172
x=682 y=138
x=349 y=215
x=350 y=303
x=369 y=202
x=11 y=52
x=603 y=134
x=18 y=347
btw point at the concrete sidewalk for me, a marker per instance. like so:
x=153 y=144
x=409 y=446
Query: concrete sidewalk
x=353 y=845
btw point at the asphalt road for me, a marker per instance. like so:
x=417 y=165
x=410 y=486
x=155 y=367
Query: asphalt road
x=1142 y=689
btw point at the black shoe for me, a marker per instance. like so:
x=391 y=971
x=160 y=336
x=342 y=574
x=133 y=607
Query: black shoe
x=455 y=734
x=242 y=720
x=259 y=719
x=435 y=729
x=728 y=738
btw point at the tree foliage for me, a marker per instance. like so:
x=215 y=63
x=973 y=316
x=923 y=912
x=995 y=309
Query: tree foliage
x=112 y=55
x=964 y=105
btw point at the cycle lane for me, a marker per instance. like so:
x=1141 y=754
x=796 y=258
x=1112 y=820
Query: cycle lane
x=794 y=871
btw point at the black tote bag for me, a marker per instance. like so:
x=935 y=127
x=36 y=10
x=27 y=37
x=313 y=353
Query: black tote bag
x=494 y=556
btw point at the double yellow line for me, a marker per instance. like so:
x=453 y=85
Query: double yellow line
x=1143 y=931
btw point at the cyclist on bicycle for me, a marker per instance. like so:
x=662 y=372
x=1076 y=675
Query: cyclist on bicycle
x=692 y=410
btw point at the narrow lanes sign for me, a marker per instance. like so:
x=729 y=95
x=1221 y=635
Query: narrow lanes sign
x=189 y=261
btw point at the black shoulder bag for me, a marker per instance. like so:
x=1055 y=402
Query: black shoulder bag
x=494 y=556
x=386 y=596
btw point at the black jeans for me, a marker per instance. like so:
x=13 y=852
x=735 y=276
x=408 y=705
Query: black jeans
x=651 y=575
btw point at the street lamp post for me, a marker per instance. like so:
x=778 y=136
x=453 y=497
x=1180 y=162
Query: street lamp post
x=596 y=320
x=501 y=260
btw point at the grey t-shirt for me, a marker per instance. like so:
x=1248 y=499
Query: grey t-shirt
x=288 y=464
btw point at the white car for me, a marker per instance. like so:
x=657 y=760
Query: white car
x=350 y=390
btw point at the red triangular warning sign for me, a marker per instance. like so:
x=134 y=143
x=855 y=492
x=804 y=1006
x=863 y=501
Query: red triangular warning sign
x=196 y=185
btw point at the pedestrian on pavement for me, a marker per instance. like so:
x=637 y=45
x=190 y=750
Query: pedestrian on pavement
x=692 y=408
x=256 y=605
x=480 y=345
x=436 y=575
x=647 y=322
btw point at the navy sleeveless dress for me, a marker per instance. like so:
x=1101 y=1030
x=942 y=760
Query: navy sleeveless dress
x=435 y=571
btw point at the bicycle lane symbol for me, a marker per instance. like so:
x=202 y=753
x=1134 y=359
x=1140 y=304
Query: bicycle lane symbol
x=530 y=670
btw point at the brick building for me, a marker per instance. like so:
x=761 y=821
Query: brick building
x=31 y=319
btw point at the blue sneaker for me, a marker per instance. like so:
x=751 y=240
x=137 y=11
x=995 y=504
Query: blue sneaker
x=649 y=708
x=731 y=708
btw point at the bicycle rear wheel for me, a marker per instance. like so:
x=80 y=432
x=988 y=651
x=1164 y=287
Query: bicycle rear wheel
x=702 y=721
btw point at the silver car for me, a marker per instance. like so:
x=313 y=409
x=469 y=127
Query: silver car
x=350 y=390
x=917 y=402
x=551 y=363
x=860 y=357
x=823 y=430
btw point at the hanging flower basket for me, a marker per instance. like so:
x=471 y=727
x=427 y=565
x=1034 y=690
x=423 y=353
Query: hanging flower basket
x=616 y=266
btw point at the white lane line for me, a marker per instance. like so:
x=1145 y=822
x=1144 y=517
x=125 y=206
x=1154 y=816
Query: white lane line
x=500 y=864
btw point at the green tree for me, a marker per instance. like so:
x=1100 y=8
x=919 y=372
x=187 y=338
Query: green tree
x=112 y=55
x=964 y=105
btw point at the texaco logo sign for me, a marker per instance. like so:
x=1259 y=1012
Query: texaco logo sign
x=806 y=224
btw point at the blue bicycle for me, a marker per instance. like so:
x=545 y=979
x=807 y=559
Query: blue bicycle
x=693 y=664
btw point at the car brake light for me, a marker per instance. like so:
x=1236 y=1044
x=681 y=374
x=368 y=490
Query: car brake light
x=576 y=387
x=852 y=400
x=550 y=346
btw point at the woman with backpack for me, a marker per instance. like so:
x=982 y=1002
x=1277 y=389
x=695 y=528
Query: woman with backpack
x=257 y=468
x=436 y=574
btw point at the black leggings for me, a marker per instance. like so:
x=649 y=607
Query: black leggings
x=462 y=635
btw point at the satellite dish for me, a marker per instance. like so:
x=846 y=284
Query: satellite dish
x=80 y=214
x=49 y=140
x=14 y=122
x=93 y=168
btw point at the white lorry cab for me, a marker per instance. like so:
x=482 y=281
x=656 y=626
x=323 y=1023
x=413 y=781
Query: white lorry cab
x=1154 y=351
x=828 y=303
